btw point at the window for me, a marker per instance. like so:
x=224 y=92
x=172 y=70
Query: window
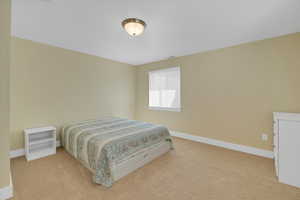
x=164 y=89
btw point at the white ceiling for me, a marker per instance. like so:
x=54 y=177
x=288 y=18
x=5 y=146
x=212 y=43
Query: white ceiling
x=174 y=27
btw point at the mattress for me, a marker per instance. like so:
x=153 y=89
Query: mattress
x=100 y=143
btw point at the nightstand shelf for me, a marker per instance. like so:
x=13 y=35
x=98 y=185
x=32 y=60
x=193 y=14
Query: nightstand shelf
x=40 y=142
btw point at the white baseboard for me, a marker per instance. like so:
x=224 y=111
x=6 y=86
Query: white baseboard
x=227 y=145
x=58 y=144
x=219 y=143
x=21 y=152
x=17 y=153
x=6 y=192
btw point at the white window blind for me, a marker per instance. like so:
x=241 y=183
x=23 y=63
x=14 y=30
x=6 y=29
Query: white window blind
x=164 y=89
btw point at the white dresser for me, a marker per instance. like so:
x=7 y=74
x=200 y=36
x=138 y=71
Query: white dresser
x=287 y=147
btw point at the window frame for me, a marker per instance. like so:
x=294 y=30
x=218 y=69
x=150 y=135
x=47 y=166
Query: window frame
x=159 y=108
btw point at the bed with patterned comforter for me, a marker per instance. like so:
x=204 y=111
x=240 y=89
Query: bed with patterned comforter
x=98 y=143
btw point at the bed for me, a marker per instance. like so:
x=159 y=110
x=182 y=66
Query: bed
x=113 y=147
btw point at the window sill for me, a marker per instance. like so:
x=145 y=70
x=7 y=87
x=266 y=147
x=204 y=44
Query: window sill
x=165 y=109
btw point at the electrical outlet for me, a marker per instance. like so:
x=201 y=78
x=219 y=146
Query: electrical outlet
x=264 y=137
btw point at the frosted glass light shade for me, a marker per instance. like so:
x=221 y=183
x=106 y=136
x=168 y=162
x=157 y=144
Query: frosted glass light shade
x=133 y=26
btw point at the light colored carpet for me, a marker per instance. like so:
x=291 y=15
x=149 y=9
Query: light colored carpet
x=193 y=171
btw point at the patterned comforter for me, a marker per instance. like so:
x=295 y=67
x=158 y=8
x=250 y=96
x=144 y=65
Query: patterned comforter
x=97 y=144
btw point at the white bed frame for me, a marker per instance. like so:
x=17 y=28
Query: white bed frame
x=139 y=159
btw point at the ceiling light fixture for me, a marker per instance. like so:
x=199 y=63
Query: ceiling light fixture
x=134 y=26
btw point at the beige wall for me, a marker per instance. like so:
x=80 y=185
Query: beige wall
x=52 y=86
x=227 y=94
x=230 y=94
x=4 y=91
